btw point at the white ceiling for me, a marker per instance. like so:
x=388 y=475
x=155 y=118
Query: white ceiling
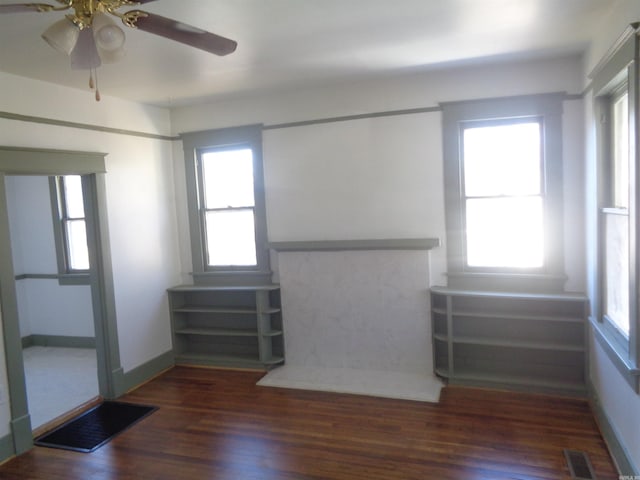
x=289 y=43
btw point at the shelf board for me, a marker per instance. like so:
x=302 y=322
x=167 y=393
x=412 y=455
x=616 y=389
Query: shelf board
x=224 y=288
x=528 y=344
x=237 y=310
x=217 y=332
x=512 y=316
x=523 y=381
x=205 y=309
x=272 y=333
x=562 y=297
x=228 y=360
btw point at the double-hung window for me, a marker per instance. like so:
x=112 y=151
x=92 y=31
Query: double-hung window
x=503 y=183
x=70 y=230
x=503 y=193
x=615 y=92
x=227 y=206
x=225 y=196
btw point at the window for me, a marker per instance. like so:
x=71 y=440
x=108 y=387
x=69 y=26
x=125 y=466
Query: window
x=226 y=205
x=503 y=195
x=503 y=181
x=615 y=268
x=616 y=214
x=70 y=230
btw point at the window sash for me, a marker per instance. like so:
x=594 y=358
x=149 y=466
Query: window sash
x=505 y=241
x=221 y=252
x=73 y=227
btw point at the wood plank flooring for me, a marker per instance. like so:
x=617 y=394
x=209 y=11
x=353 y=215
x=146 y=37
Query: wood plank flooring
x=216 y=424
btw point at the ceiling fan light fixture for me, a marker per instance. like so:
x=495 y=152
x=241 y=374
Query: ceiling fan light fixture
x=111 y=56
x=85 y=54
x=62 y=35
x=108 y=36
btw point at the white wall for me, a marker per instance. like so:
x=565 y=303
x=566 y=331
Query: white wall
x=140 y=200
x=382 y=177
x=620 y=402
x=45 y=307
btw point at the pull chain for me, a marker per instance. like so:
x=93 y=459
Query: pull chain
x=94 y=73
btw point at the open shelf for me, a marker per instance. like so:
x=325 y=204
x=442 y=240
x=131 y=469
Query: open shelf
x=231 y=326
x=520 y=339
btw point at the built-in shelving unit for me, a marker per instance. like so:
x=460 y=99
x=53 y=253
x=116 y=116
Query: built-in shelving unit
x=534 y=341
x=232 y=326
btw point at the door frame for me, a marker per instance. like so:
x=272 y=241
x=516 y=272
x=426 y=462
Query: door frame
x=45 y=162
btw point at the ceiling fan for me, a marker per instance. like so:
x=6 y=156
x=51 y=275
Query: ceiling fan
x=90 y=36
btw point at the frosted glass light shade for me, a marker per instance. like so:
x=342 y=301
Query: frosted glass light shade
x=111 y=56
x=85 y=54
x=62 y=35
x=108 y=36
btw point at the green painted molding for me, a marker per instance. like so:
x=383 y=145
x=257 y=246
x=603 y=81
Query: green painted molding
x=118 y=387
x=365 y=244
x=618 y=451
x=6 y=448
x=22 y=434
x=37 y=340
x=82 y=126
x=145 y=372
x=39 y=161
x=37 y=276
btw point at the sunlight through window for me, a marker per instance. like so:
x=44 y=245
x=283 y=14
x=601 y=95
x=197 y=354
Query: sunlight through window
x=229 y=206
x=504 y=204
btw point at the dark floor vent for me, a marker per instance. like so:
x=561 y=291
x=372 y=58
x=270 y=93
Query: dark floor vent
x=579 y=465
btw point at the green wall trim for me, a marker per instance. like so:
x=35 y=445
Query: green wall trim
x=366 y=244
x=39 y=161
x=6 y=448
x=22 y=434
x=82 y=126
x=37 y=276
x=143 y=373
x=37 y=340
x=618 y=451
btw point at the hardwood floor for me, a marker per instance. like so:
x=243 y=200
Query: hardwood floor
x=216 y=424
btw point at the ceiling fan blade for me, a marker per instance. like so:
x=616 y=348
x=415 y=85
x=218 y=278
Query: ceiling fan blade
x=25 y=7
x=183 y=33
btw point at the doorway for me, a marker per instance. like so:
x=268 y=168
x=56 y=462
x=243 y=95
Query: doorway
x=91 y=167
x=54 y=296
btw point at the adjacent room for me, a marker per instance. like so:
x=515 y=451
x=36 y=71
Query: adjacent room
x=326 y=238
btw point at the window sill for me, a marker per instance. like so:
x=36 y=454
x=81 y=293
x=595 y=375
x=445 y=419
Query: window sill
x=74 y=279
x=234 y=277
x=617 y=354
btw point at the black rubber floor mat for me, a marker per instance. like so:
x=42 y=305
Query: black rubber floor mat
x=95 y=427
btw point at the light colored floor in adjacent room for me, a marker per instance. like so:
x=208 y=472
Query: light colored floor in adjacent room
x=58 y=380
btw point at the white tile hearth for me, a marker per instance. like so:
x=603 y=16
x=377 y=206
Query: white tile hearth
x=404 y=386
x=357 y=322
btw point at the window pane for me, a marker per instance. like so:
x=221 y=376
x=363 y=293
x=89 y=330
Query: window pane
x=505 y=232
x=228 y=178
x=617 y=271
x=77 y=245
x=231 y=238
x=502 y=160
x=621 y=151
x=73 y=196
